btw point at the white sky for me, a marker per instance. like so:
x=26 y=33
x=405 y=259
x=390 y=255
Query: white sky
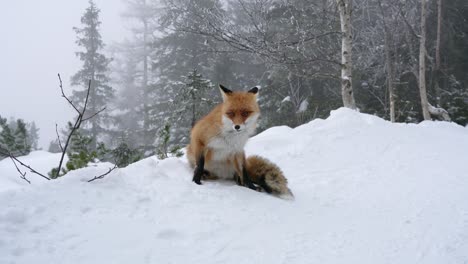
x=36 y=43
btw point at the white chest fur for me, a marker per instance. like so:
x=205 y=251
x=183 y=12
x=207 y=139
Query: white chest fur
x=228 y=144
x=223 y=148
x=229 y=141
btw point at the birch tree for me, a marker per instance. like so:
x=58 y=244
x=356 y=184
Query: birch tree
x=427 y=108
x=422 y=63
x=345 y=9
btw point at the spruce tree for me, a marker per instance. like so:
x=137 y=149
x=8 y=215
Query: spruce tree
x=123 y=155
x=21 y=145
x=164 y=148
x=7 y=138
x=54 y=147
x=194 y=99
x=95 y=69
x=79 y=152
x=140 y=107
x=33 y=135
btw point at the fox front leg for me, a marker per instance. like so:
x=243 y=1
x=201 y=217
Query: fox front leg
x=199 y=170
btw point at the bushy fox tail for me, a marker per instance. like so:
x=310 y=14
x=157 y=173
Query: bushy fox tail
x=268 y=176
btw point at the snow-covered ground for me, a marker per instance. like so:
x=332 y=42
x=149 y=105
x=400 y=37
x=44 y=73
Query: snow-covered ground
x=366 y=191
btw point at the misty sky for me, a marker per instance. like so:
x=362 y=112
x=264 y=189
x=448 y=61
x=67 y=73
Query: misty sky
x=37 y=42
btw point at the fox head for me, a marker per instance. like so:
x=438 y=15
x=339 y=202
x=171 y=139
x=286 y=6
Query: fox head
x=240 y=110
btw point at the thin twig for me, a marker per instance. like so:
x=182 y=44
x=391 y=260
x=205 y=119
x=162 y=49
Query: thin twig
x=64 y=96
x=23 y=174
x=95 y=114
x=103 y=175
x=411 y=29
x=87 y=97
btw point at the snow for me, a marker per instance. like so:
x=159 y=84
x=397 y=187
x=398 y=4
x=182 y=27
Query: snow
x=366 y=191
x=303 y=106
x=286 y=99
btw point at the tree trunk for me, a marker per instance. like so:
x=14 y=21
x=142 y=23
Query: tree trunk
x=436 y=73
x=390 y=65
x=438 y=111
x=93 y=109
x=422 y=64
x=146 y=121
x=345 y=8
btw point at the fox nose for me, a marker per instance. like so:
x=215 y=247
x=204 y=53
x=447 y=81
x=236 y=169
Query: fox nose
x=237 y=127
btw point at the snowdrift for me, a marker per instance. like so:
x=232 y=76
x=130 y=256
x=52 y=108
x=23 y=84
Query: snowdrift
x=366 y=191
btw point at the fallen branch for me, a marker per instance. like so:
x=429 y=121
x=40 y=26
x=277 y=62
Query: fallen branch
x=439 y=112
x=13 y=158
x=23 y=174
x=103 y=175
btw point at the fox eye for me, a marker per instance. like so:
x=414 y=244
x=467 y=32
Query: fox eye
x=245 y=113
x=230 y=114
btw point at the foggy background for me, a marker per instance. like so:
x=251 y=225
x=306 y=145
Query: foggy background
x=162 y=60
x=37 y=43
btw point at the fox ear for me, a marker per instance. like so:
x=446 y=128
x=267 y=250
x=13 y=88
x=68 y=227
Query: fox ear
x=224 y=91
x=254 y=90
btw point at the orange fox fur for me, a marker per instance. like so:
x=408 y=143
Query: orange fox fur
x=217 y=141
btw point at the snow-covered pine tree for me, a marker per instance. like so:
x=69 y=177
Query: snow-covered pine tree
x=455 y=100
x=193 y=101
x=179 y=51
x=7 y=139
x=95 y=69
x=123 y=155
x=22 y=146
x=33 y=135
x=139 y=117
x=54 y=146
x=79 y=152
x=164 y=148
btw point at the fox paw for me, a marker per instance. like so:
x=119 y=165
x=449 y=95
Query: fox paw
x=253 y=187
x=197 y=182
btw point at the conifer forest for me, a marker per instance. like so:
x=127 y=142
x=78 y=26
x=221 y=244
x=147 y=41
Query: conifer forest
x=403 y=61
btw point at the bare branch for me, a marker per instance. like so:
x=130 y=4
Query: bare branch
x=58 y=137
x=64 y=96
x=411 y=29
x=87 y=97
x=103 y=175
x=77 y=124
x=95 y=114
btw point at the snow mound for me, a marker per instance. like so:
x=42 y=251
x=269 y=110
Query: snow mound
x=366 y=191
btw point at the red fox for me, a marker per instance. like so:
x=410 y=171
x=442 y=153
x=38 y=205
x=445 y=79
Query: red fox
x=217 y=141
